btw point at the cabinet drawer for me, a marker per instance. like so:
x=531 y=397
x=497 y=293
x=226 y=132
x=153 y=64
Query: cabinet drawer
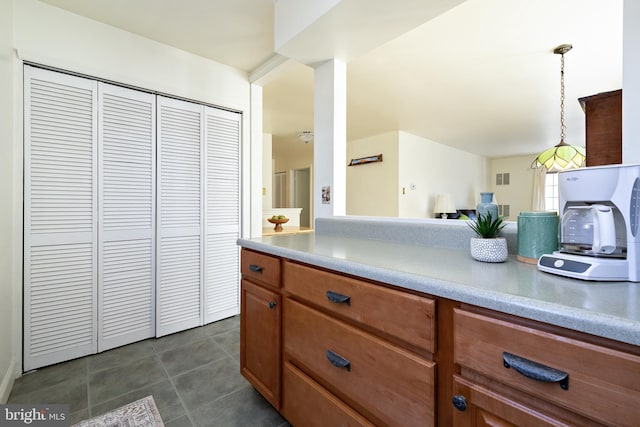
x=306 y=403
x=407 y=317
x=602 y=384
x=484 y=407
x=261 y=267
x=386 y=383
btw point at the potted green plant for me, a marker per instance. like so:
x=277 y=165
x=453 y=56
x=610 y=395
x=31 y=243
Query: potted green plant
x=488 y=246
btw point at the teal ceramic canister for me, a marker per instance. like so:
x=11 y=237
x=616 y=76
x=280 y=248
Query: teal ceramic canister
x=537 y=235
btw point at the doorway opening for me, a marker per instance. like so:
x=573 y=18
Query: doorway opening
x=301 y=194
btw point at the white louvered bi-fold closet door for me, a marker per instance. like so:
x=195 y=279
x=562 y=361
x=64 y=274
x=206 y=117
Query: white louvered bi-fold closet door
x=222 y=213
x=126 y=266
x=60 y=209
x=179 y=215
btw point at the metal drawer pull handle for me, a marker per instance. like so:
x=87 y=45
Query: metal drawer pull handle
x=338 y=361
x=535 y=371
x=459 y=402
x=338 y=298
x=255 y=268
x=272 y=304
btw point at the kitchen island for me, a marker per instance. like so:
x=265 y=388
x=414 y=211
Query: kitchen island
x=512 y=301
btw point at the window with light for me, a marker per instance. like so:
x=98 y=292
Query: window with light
x=551 y=196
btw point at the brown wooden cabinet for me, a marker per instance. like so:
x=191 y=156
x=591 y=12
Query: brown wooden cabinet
x=307 y=403
x=260 y=324
x=516 y=372
x=603 y=127
x=352 y=352
x=360 y=346
x=479 y=406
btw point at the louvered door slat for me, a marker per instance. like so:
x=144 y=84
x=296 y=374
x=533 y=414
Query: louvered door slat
x=222 y=276
x=127 y=208
x=59 y=217
x=222 y=139
x=180 y=245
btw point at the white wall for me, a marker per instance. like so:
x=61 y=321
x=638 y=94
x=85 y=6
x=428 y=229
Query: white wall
x=54 y=37
x=267 y=171
x=519 y=192
x=631 y=83
x=8 y=307
x=412 y=172
x=296 y=158
x=435 y=168
x=372 y=189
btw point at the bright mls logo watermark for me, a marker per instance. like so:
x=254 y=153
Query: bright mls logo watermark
x=34 y=415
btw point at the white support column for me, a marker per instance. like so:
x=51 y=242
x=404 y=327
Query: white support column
x=252 y=211
x=330 y=138
x=631 y=83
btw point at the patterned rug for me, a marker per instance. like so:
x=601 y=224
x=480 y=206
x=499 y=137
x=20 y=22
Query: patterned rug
x=141 y=413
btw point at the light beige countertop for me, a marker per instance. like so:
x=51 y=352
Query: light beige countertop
x=440 y=268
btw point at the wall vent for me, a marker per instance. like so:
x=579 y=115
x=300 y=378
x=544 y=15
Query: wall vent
x=502 y=178
x=504 y=210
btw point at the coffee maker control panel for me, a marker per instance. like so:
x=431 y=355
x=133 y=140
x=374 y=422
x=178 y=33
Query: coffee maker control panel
x=560 y=264
x=634 y=214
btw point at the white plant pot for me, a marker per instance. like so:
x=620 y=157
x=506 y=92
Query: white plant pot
x=489 y=250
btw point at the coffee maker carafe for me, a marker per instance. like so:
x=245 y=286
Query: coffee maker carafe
x=600 y=211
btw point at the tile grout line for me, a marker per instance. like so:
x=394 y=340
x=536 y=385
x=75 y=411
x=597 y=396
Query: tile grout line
x=89 y=411
x=127 y=392
x=113 y=397
x=90 y=370
x=223 y=347
x=221 y=396
x=184 y=406
x=175 y=389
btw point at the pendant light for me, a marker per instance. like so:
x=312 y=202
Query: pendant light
x=563 y=156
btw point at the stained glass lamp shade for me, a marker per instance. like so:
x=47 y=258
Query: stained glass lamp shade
x=561 y=157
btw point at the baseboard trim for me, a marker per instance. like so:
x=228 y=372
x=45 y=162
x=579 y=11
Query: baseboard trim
x=7 y=382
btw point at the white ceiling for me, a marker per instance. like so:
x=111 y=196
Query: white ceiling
x=481 y=77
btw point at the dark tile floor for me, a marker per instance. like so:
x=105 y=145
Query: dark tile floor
x=193 y=376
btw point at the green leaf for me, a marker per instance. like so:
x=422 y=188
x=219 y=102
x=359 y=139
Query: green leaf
x=487 y=227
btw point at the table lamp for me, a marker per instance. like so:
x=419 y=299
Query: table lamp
x=444 y=205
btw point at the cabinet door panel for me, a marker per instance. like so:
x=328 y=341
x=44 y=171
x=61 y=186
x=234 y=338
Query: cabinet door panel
x=399 y=315
x=384 y=382
x=599 y=379
x=486 y=408
x=307 y=403
x=260 y=321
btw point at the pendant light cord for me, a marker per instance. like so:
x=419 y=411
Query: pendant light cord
x=561 y=156
x=563 y=127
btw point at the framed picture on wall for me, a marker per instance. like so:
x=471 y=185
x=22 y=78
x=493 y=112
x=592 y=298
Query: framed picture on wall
x=363 y=160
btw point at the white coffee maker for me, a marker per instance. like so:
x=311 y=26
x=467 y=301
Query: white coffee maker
x=600 y=211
